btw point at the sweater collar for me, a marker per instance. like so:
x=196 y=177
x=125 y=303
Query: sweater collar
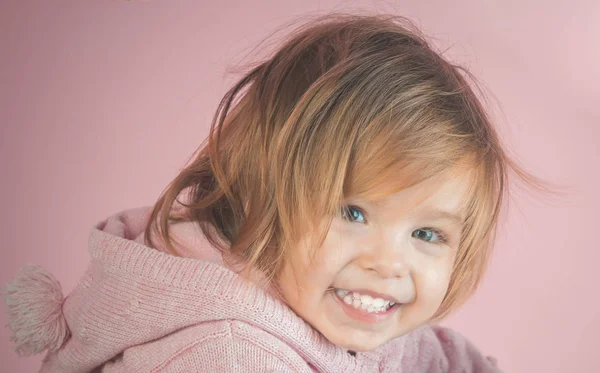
x=173 y=292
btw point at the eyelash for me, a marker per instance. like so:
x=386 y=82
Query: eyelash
x=442 y=238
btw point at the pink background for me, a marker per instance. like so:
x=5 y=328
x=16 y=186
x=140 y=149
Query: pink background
x=102 y=102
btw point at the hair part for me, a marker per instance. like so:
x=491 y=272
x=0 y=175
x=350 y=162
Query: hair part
x=348 y=105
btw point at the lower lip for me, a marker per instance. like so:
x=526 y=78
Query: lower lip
x=364 y=316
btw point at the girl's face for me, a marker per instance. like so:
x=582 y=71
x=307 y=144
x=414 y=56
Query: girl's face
x=389 y=262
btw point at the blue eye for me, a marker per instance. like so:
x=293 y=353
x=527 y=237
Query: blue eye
x=429 y=235
x=352 y=213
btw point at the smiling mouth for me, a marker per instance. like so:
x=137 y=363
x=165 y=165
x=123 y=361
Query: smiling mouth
x=365 y=304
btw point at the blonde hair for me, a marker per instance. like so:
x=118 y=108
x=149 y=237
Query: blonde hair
x=348 y=105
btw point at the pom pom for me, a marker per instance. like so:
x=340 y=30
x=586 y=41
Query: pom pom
x=34 y=299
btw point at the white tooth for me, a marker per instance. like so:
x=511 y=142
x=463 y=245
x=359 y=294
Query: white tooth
x=378 y=302
x=348 y=299
x=356 y=303
x=341 y=293
x=391 y=304
x=364 y=306
x=356 y=295
x=370 y=309
x=366 y=299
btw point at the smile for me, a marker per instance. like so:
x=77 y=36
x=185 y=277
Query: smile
x=364 y=307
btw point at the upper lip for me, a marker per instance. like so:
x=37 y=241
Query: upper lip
x=373 y=294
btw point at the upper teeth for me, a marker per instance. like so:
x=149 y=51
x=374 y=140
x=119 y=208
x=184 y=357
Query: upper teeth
x=364 y=302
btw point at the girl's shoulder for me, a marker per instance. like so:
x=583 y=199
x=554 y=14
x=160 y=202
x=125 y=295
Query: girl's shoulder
x=217 y=346
x=445 y=350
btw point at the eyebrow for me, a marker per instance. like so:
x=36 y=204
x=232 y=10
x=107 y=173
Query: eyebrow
x=429 y=213
x=440 y=214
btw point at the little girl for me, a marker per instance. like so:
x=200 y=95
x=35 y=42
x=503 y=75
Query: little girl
x=345 y=202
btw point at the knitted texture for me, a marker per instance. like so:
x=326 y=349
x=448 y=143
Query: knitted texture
x=139 y=309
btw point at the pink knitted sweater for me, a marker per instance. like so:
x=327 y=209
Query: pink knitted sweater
x=138 y=309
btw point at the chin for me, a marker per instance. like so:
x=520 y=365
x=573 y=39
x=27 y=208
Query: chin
x=358 y=342
x=362 y=348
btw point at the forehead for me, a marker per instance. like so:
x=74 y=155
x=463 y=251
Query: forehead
x=436 y=198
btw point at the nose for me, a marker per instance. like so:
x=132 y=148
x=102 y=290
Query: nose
x=389 y=258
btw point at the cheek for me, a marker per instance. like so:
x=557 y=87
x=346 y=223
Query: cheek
x=322 y=264
x=432 y=283
x=308 y=273
x=306 y=276
x=293 y=291
x=437 y=276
